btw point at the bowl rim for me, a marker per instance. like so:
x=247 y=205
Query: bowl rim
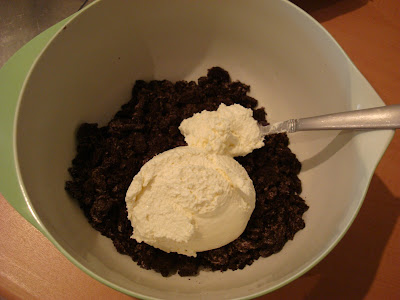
x=115 y=286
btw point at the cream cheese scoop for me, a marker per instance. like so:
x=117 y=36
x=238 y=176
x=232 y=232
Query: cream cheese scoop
x=197 y=197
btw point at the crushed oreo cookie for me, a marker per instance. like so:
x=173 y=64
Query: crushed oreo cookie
x=109 y=157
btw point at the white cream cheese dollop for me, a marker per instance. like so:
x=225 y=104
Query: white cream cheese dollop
x=197 y=197
x=185 y=200
x=230 y=130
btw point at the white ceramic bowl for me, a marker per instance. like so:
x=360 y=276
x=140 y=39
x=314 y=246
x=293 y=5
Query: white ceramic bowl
x=295 y=69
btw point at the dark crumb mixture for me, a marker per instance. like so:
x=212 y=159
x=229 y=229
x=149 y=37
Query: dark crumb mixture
x=108 y=158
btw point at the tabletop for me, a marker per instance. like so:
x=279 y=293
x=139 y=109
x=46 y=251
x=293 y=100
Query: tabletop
x=364 y=265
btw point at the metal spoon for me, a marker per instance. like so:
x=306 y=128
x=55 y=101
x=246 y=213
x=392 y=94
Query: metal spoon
x=385 y=117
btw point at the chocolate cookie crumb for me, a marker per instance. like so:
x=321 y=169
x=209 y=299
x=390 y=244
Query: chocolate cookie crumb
x=108 y=158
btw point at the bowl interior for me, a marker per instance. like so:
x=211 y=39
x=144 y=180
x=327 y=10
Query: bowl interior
x=295 y=69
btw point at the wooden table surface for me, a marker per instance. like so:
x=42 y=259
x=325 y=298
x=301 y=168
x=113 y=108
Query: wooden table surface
x=365 y=264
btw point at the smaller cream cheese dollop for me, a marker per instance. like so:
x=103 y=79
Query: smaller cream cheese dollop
x=230 y=130
x=197 y=197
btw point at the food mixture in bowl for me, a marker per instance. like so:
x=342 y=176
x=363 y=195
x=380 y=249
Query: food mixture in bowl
x=109 y=157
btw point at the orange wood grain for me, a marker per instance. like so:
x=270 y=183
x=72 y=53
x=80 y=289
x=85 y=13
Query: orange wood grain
x=365 y=264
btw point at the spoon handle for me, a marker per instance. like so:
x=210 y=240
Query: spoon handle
x=385 y=117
